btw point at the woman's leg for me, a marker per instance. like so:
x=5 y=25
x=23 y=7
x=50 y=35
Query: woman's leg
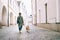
x=20 y=28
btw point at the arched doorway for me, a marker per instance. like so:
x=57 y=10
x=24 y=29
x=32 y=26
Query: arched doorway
x=11 y=18
x=4 y=16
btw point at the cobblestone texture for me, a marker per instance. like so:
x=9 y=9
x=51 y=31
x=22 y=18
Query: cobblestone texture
x=12 y=33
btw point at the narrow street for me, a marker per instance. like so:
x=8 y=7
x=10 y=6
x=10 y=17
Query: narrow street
x=42 y=16
x=35 y=33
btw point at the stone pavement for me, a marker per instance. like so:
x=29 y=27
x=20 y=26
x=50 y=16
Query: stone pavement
x=35 y=33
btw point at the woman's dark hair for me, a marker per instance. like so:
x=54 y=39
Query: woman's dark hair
x=19 y=13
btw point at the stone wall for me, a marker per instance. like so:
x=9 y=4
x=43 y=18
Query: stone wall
x=52 y=26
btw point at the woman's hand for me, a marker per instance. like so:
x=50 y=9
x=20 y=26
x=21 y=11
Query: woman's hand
x=23 y=24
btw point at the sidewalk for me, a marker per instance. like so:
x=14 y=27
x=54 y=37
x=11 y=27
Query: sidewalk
x=12 y=33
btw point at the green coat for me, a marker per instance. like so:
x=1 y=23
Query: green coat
x=20 y=20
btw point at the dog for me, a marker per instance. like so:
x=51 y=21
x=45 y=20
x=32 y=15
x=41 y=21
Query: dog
x=27 y=28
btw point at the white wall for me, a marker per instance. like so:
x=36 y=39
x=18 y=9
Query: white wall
x=1 y=11
x=41 y=11
x=58 y=10
x=13 y=7
x=51 y=10
x=3 y=3
x=34 y=12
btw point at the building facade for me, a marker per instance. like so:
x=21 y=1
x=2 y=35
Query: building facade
x=8 y=12
x=46 y=14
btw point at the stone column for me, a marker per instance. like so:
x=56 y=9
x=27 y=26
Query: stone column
x=58 y=10
x=38 y=12
x=34 y=11
x=11 y=18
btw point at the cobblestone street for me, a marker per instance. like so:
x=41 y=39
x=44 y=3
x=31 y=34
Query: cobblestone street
x=35 y=33
x=40 y=17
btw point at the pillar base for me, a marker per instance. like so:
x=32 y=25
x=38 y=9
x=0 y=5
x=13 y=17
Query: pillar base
x=35 y=24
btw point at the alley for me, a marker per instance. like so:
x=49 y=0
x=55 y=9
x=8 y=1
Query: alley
x=35 y=33
x=42 y=16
